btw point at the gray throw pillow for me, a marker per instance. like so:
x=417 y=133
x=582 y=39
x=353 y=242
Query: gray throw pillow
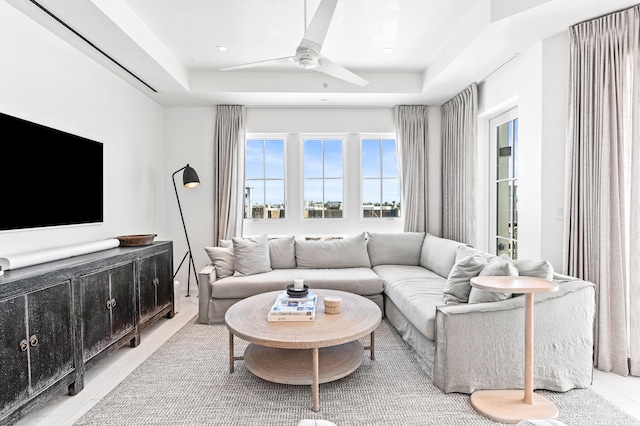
x=496 y=267
x=282 y=253
x=350 y=252
x=532 y=268
x=251 y=255
x=222 y=260
x=458 y=285
x=394 y=248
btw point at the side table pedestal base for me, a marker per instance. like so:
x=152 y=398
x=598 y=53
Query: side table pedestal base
x=508 y=406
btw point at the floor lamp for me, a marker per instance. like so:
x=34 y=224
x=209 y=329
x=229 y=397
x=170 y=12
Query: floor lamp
x=190 y=180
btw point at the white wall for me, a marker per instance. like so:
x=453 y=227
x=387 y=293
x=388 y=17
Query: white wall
x=43 y=79
x=536 y=82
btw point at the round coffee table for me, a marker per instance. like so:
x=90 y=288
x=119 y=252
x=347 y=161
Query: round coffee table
x=303 y=353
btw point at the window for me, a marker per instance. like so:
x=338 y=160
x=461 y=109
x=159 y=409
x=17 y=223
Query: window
x=380 y=178
x=323 y=178
x=264 y=196
x=505 y=141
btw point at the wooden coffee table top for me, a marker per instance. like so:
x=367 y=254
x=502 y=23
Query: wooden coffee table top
x=514 y=284
x=359 y=316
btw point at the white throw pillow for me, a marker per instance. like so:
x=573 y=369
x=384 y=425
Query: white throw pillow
x=222 y=260
x=532 y=268
x=282 y=253
x=458 y=284
x=251 y=255
x=496 y=267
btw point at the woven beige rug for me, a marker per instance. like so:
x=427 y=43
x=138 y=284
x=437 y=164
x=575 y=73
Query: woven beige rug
x=187 y=382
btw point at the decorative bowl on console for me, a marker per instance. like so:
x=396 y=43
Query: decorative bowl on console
x=136 y=240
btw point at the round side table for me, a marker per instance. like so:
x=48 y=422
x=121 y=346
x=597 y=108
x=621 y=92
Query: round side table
x=512 y=405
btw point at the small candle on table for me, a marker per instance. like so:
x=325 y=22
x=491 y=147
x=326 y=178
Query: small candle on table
x=298 y=284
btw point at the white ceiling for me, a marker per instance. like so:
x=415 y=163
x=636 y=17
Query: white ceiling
x=440 y=46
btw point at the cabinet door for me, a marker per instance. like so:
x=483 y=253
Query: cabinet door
x=123 y=299
x=156 y=284
x=96 y=313
x=14 y=374
x=50 y=334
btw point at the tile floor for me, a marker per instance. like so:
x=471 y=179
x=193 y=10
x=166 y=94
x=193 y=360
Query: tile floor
x=106 y=374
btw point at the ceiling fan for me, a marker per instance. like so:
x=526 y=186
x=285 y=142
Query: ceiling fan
x=308 y=55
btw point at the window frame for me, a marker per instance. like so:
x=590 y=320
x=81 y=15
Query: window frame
x=380 y=137
x=265 y=137
x=324 y=136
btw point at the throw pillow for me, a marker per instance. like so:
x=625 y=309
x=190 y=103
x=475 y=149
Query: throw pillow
x=222 y=260
x=282 y=253
x=251 y=255
x=350 y=252
x=496 y=267
x=458 y=284
x=532 y=268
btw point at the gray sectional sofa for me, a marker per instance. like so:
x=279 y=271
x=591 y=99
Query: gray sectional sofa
x=465 y=339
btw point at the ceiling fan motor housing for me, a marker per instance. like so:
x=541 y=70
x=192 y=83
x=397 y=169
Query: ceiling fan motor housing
x=307 y=58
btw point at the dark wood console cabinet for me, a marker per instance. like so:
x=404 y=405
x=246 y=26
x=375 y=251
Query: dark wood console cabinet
x=59 y=318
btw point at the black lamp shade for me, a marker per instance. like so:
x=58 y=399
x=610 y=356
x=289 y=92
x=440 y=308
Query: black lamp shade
x=190 y=177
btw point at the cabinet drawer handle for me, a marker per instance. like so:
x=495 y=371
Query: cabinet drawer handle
x=24 y=345
x=109 y=304
x=156 y=281
x=113 y=303
x=33 y=340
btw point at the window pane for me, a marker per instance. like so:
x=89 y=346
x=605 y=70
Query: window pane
x=371 y=197
x=333 y=158
x=504 y=150
x=390 y=198
x=254 y=199
x=389 y=159
x=254 y=159
x=503 y=219
x=313 y=201
x=333 y=198
x=312 y=158
x=274 y=159
x=370 y=158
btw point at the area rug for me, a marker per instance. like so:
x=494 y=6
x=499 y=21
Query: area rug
x=187 y=382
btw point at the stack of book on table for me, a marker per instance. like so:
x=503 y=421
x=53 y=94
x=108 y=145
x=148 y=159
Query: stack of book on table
x=287 y=308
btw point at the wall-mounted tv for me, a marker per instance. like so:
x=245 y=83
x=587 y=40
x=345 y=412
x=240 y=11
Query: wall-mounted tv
x=48 y=177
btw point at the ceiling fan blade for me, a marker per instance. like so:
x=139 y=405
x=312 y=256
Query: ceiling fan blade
x=319 y=25
x=338 y=71
x=285 y=60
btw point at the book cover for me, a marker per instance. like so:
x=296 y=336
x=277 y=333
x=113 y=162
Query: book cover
x=287 y=308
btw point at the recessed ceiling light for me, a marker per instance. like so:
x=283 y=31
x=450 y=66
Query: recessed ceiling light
x=388 y=50
x=222 y=48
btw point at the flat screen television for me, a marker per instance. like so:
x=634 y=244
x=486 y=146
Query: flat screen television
x=48 y=177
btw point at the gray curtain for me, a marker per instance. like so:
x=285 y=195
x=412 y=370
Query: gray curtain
x=411 y=144
x=228 y=170
x=459 y=147
x=602 y=221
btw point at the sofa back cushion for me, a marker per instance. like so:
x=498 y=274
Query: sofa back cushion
x=397 y=248
x=282 y=253
x=438 y=254
x=350 y=252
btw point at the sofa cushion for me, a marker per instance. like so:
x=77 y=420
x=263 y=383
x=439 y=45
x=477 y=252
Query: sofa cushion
x=438 y=254
x=532 y=268
x=251 y=255
x=350 y=252
x=497 y=267
x=362 y=281
x=458 y=284
x=394 y=248
x=222 y=259
x=282 y=253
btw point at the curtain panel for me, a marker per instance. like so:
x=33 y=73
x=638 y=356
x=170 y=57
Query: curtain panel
x=459 y=158
x=228 y=170
x=602 y=220
x=411 y=147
